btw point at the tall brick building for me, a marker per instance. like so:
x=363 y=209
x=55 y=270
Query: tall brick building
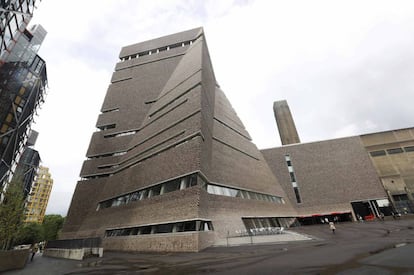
x=172 y=167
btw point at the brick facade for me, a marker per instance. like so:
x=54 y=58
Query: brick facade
x=164 y=117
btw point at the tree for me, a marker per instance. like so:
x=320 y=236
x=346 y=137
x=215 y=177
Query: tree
x=11 y=213
x=30 y=233
x=52 y=225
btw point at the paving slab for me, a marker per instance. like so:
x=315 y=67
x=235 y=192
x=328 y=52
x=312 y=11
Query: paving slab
x=356 y=248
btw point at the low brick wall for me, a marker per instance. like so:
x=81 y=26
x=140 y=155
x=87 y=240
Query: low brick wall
x=177 y=242
x=13 y=259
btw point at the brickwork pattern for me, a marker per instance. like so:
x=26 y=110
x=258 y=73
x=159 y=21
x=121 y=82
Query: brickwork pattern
x=330 y=174
x=183 y=123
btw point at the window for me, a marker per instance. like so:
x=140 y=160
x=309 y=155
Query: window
x=297 y=195
x=401 y=197
x=155 y=191
x=409 y=149
x=172 y=186
x=111 y=110
x=205 y=226
x=179 y=227
x=394 y=151
x=134 y=196
x=145 y=230
x=9 y=117
x=292 y=177
x=190 y=226
x=4 y=128
x=377 y=153
x=193 y=180
x=232 y=192
x=22 y=90
x=106 y=127
x=163 y=228
x=119 y=154
x=143 y=194
x=185 y=226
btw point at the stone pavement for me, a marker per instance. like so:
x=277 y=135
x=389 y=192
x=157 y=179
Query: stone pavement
x=356 y=248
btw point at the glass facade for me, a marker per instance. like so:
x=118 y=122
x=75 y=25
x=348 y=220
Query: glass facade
x=14 y=17
x=23 y=82
x=232 y=192
x=175 y=227
x=149 y=192
x=183 y=183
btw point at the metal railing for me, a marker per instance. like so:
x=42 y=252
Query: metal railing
x=259 y=231
x=74 y=243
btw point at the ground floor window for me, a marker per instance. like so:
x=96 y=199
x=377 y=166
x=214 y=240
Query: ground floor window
x=402 y=204
x=268 y=222
x=184 y=226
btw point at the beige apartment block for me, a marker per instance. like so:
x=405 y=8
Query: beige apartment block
x=39 y=196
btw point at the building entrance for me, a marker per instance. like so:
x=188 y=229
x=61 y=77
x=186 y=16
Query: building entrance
x=325 y=218
x=371 y=209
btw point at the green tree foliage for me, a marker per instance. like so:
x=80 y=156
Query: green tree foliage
x=52 y=225
x=11 y=213
x=34 y=232
x=30 y=233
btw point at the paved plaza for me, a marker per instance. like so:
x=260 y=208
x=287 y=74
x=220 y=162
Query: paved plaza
x=378 y=247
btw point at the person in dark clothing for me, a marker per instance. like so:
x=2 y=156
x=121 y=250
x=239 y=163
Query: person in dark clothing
x=33 y=250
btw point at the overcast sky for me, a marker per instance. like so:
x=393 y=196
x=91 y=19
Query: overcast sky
x=345 y=67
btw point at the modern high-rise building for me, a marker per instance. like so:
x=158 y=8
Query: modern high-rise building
x=22 y=87
x=26 y=169
x=171 y=167
x=285 y=123
x=39 y=196
x=15 y=16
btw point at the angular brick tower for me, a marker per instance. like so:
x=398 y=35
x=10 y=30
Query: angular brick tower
x=172 y=167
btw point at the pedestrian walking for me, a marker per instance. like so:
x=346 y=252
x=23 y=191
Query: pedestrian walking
x=33 y=250
x=332 y=227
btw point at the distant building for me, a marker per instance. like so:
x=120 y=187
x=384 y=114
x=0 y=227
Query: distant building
x=39 y=196
x=392 y=153
x=285 y=123
x=22 y=87
x=27 y=168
